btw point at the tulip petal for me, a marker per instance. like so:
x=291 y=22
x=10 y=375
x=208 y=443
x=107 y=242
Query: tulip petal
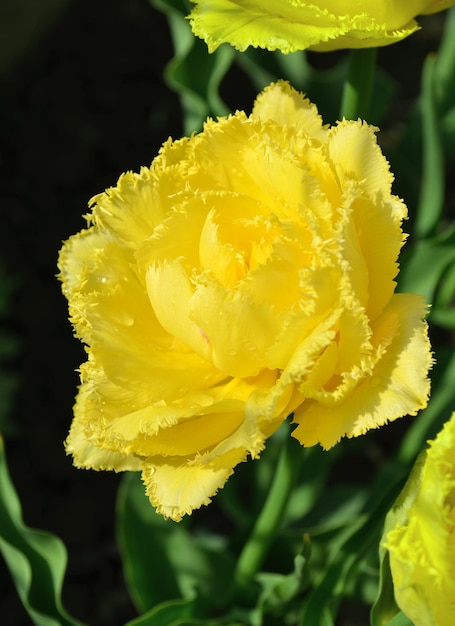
x=292 y=25
x=397 y=386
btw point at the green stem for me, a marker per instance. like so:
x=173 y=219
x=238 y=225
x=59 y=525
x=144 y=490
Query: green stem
x=359 y=84
x=445 y=64
x=269 y=520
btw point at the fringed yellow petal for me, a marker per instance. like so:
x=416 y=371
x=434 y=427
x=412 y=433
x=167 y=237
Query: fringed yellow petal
x=394 y=14
x=321 y=25
x=177 y=488
x=368 y=36
x=275 y=25
x=112 y=209
x=89 y=456
x=396 y=386
x=355 y=155
x=292 y=109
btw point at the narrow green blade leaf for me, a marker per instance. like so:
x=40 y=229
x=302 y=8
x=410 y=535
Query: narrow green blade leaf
x=445 y=64
x=173 y=613
x=431 y=199
x=36 y=559
x=178 y=613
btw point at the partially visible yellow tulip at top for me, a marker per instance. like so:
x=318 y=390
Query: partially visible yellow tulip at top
x=420 y=536
x=246 y=275
x=320 y=25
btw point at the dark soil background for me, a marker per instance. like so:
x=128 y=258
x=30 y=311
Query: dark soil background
x=83 y=103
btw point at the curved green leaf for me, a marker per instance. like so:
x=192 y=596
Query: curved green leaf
x=385 y=607
x=161 y=559
x=193 y=72
x=36 y=559
x=173 y=613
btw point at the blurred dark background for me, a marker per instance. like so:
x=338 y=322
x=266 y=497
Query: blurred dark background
x=82 y=100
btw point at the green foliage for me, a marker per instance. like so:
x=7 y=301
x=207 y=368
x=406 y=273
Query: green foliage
x=180 y=571
x=172 y=613
x=164 y=560
x=427 y=268
x=431 y=419
x=347 y=551
x=385 y=607
x=431 y=198
x=193 y=72
x=400 y=620
x=36 y=559
x=429 y=133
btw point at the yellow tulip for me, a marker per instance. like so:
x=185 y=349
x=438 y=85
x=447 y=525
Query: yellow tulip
x=420 y=536
x=321 y=25
x=247 y=274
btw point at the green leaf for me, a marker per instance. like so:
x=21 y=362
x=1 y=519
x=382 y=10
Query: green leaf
x=443 y=310
x=173 y=613
x=431 y=419
x=347 y=551
x=36 y=560
x=264 y=67
x=279 y=589
x=400 y=620
x=194 y=73
x=385 y=607
x=179 y=613
x=444 y=84
x=315 y=468
x=431 y=199
x=162 y=560
x=424 y=264
x=445 y=66
x=406 y=157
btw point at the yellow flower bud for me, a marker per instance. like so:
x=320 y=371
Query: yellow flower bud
x=420 y=536
x=247 y=274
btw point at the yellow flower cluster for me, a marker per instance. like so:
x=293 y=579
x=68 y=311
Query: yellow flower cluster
x=246 y=275
x=321 y=25
x=420 y=536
